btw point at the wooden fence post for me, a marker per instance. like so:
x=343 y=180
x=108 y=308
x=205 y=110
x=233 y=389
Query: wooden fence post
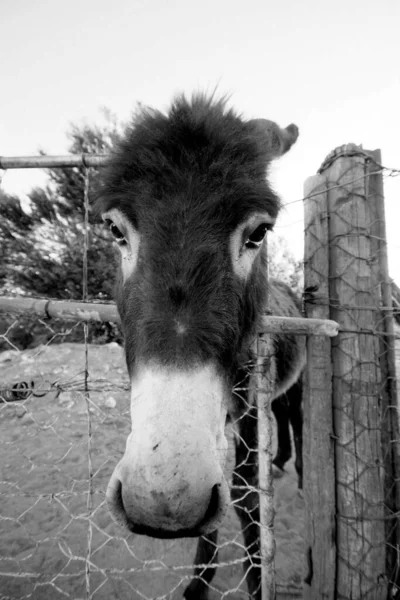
x=264 y=383
x=318 y=446
x=387 y=356
x=344 y=246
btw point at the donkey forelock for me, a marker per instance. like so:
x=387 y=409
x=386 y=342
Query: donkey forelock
x=198 y=146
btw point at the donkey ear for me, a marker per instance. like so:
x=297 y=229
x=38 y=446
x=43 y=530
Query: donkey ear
x=274 y=140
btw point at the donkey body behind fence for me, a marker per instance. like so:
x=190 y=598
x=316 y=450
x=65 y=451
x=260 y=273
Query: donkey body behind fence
x=188 y=203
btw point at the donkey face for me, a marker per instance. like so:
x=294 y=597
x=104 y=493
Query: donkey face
x=188 y=204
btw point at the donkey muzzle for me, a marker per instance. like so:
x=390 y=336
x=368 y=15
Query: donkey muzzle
x=170 y=481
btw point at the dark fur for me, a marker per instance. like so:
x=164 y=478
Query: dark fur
x=186 y=180
x=287 y=411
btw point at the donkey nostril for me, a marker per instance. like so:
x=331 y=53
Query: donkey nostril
x=119 y=502
x=115 y=502
x=176 y=294
x=213 y=505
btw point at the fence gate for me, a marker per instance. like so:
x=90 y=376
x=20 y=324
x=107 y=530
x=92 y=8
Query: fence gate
x=61 y=540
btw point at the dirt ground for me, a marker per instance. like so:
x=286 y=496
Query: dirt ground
x=58 y=451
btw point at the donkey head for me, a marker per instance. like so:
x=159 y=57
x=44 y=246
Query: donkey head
x=187 y=201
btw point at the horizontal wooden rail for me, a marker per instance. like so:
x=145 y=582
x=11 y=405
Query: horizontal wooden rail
x=43 y=162
x=326 y=327
x=60 y=309
x=92 y=311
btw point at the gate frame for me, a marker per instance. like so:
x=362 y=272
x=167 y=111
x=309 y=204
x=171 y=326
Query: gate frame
x=89 y=311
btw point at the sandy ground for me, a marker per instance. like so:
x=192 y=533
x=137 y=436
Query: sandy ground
x=57 y=538
x=58 y=451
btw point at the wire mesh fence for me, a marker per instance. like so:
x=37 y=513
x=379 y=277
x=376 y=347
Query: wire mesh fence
x=61 y=437
x=64 y=417
x=354 y=547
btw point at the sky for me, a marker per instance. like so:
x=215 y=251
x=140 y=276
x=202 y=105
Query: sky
x=331 y=68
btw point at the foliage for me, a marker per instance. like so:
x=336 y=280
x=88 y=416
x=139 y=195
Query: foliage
x=42 y=248
x=283 y=265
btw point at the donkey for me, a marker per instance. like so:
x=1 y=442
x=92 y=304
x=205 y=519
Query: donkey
x=187 y=201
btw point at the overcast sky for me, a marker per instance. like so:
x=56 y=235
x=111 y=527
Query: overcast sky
x=331 y=67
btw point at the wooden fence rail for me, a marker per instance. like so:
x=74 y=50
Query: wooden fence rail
x=45 y=162
x=99 y=312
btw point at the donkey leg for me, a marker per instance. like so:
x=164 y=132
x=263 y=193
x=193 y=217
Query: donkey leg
x=295 y=397
x=280 y=408
x=207 y=553
x=246 y=500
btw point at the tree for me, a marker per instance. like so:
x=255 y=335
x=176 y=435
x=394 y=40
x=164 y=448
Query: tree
x=15 y=224
x=283 y=265
x=44 y=248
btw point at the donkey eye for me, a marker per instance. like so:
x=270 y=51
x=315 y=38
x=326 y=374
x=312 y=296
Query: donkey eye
x=256 y=238
x=117 y=234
